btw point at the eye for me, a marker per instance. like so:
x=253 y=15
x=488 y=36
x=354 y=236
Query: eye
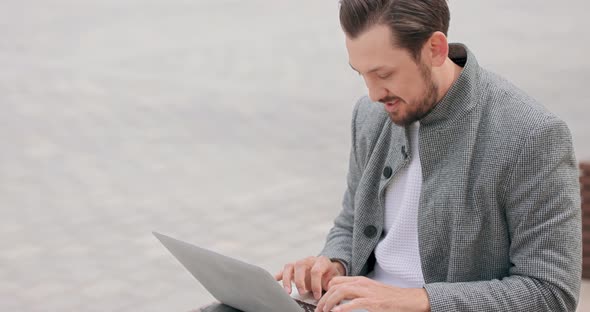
x=384 y=76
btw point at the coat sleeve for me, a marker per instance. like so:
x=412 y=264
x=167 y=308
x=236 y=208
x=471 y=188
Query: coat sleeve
x=542 y=207
x=339 y=240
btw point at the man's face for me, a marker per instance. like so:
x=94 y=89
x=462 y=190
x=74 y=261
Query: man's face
x=392 y=76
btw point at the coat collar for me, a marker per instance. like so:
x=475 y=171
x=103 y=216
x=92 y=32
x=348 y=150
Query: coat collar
x=461 y=97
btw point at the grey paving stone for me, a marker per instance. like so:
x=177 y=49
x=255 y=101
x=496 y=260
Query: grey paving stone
x=223 y=123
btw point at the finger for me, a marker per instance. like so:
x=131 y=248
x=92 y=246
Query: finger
x=338 y=280
x=330 y=274
x=318 y=276
x=337 y=294
x=356 y=304
x=322 y=302
x=301 y=273
x=335 y=298
x=279 y=276
x=308 y=282
x=287 y=277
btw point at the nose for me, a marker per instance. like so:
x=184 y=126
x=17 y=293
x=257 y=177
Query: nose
x=376 y=92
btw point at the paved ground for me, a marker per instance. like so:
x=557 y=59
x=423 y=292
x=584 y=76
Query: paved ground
x=224 y=123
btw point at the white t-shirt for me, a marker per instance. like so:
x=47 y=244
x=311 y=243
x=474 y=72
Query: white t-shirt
x=397 y=253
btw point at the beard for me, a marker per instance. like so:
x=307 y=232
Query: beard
x=416 y=110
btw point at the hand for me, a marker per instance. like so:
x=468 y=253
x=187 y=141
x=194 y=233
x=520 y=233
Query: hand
x=372 y=296
x=310 y=274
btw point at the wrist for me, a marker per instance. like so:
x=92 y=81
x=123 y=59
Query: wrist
x=422 y=301
x=417 y=300
x=339 y=267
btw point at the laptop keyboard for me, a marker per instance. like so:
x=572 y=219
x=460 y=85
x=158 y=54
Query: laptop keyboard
x=307 y=307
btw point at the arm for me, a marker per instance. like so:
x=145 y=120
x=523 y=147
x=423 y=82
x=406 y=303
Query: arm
x=339 y=241
x=542 y=207
x=314 y=273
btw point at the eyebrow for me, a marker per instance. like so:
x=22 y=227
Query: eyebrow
x=370 y=71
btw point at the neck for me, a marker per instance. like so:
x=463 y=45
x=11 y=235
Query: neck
x=445 y=77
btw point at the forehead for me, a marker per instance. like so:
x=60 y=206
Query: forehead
x=373 y=48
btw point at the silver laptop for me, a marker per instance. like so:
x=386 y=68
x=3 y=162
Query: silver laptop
x=235 y=283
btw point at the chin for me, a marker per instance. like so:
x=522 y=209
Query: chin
x=401 y=121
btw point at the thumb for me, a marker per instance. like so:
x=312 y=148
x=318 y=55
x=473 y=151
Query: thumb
x=327 y=277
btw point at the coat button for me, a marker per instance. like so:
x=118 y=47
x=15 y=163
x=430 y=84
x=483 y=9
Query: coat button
x=387 y=172
x=370 y=231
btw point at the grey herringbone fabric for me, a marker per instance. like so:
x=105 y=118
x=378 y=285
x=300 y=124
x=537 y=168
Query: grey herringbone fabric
x=499 y=219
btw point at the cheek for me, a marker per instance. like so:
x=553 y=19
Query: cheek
x=402 y=88
x=410 y=89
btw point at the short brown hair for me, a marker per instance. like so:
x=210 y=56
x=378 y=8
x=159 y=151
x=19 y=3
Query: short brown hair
x=412 y=22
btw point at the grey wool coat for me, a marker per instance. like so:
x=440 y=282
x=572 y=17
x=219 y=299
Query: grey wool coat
x=499 y=223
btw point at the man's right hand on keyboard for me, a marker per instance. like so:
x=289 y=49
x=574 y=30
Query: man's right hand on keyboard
x=310 y=274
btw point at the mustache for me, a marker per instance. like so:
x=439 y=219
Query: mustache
x=389 y=99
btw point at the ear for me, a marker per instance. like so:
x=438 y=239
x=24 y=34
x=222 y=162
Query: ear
x=439 y=48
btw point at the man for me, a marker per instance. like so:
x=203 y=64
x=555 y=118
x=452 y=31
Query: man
x=462 y=191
